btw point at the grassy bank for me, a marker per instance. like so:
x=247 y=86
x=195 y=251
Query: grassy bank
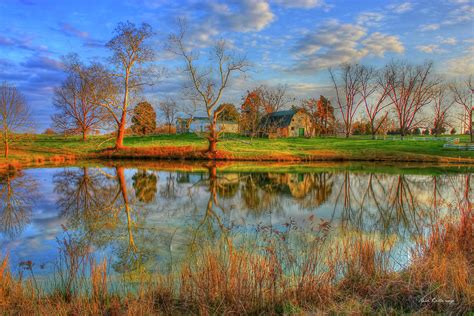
x=352 y=275
x=42 y=148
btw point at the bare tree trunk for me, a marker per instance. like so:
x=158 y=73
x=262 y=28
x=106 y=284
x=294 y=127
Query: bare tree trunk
x=84 y=135
x=470 y=125
x=120 y=133
x=6 y=148
x=123 y=119
x=212 y=135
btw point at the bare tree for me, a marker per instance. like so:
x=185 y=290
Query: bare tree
x=131 y=55
x=410 y=89
x=462 y=93
x=169 y=110
x=274 y=98
x=14 y=114
x=76 y=111
x=208 y=83
x=347 y=81
x=441 y=107
x=374 y=93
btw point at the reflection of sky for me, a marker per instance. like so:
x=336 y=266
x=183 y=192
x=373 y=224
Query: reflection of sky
x=168 y=220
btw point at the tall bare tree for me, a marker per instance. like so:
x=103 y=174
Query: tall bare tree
x=347 y=81
x=132 y=54
x=374 y=93
x=462 y=93
x=208 y=83
x=441 y=107
x=274 y=98
x=169 y=110
x=14 y=114
x=73 y=101
x=410 y=89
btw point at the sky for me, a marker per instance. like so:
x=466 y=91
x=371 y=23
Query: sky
x=287 y=42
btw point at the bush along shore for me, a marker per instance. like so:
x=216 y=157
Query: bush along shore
x=348 y=275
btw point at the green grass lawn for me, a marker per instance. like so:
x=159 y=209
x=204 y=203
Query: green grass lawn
x=355 y=148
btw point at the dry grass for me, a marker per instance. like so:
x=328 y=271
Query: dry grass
x=350 y=276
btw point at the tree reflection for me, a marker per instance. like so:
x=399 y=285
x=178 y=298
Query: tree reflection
x=137 y=223
x=385 y=204
x=144 y=184
x=98 y=205
x=17 y=194
x=211 y=224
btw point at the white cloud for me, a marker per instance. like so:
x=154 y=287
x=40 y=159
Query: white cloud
x=244 y=16
x=462 y=65
x=429 y=49
x=459 y=1
x=401 y=7
x=429 y=27
x=460 y=14
x=304 y=4
x=335 y=43
x=370 y=18
x=448 y=41
x=377 y=44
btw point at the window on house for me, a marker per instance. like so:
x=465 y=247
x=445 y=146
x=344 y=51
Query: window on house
x=292 y=128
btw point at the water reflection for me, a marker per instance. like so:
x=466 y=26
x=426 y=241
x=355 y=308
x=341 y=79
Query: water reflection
x=149 y=220
x=17 y=193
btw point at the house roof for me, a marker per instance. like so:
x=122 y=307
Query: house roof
x=278 y=119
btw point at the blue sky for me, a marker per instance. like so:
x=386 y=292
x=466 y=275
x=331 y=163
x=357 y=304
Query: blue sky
x=290 y=42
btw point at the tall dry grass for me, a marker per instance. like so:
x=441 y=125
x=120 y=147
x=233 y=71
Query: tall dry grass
x=353 y=275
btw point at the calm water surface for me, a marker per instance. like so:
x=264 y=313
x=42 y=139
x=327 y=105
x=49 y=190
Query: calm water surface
x=151 y=218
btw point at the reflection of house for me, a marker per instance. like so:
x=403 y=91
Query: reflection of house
x=298 y=184
x=291 y=123
x=199 y=124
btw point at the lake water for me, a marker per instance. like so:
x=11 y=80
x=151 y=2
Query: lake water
x=151 y=217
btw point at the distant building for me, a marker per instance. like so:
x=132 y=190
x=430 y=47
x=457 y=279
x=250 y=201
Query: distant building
x=199 y=124
x=291 y=123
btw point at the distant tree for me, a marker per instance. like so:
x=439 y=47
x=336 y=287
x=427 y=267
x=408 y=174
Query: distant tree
x=131 y=55
x=210 y=81
x=76 y=112
x=322 y=115
x=14 y=114
x=462 y=93
x=453 y=131
x=410 y=89
x=252 y=110
x=227 y=112
x=442 y=104
x=143 y=119
x=361 y=127
x=169 y=110
x=49 y=131
x=347 y=81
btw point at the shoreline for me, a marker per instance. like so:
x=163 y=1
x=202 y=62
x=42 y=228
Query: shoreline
x=147 y=157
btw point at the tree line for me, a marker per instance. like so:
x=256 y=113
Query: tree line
x=98 y=95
